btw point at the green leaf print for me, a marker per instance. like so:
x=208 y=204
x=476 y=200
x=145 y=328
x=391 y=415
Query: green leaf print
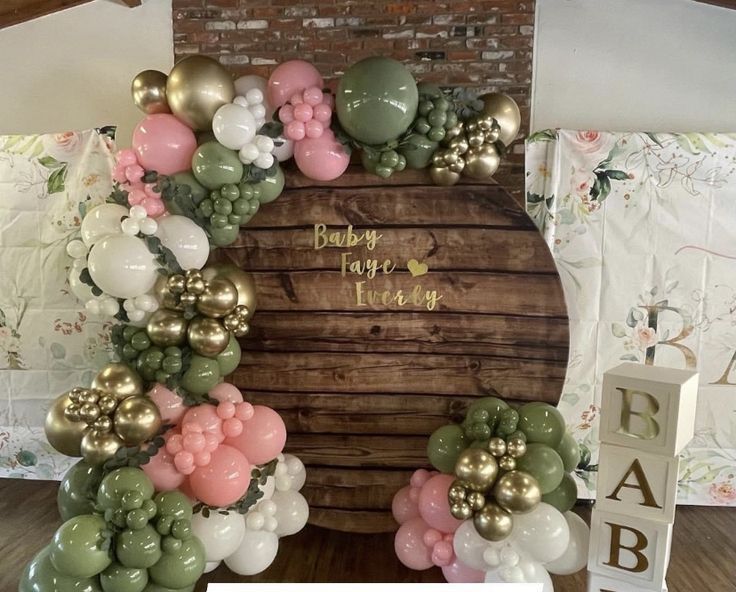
x=55 y=184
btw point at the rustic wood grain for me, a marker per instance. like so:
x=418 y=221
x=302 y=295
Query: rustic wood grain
x=354 y=488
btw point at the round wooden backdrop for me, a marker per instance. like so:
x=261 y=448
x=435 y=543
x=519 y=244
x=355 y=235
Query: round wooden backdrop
x=362 y=387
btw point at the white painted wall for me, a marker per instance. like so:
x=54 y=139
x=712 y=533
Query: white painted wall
x=72 y=69
x=634 y=65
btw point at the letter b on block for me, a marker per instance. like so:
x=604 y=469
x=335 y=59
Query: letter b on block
x=649 y=408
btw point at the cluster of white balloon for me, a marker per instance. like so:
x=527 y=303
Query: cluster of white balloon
x=248 y=543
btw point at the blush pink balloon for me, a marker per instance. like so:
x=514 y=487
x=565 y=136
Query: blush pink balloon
x=459 y=573
x=289 y=78
x=170 y=405
x=224 y=480
x=323 y=158
x=226 y=392
x=303 y=112
x=409 y=545
x=402 y=506
x=295 y=130
x=162 y=471
x=186 y=489
x=434 y=506
x=263 y=436
x=206 y=417
x=314 y=129
x=164 y=144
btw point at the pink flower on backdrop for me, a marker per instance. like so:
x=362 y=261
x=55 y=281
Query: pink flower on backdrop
x=723 y=492
x=591 y=147
x=644 y=336
x=63 y=145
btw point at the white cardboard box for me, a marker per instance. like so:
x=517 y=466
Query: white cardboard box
x=598 y=583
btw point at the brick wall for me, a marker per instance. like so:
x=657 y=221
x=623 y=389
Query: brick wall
x=476 y=43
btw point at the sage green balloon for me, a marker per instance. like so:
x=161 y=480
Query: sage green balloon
x=569 y=451
x=116 y=483
x=78 y=490
x=202 y=375
x=222 y=237
x=214 y=165
x=76 y=549
x=445 y=445
x=544 y=464
x=138 y=548
x=271 y=187
x=418 y=151
x=493 y=405
x=118 y=578
x=174 y=503
x=182 y=568
x=542 y=423
x=564 y=496
x=427 y=89
x=40 y=575
x=198 y=192
x=153 y=587
x=376 y=100
x=229 y=359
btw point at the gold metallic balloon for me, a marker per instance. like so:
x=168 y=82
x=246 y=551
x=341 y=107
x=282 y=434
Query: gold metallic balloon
x=506 y=463
x=107 y=404
x=97 y=447
x=516 y=447
x=476 y=500
x=457 y=492
x=497 y=446
x=163 y=294
x=506 y=112
x=461 y=511
x=103 y=424
x=64 y=435
x=207 y=336
x=482 y=162
x=119 y=380
x=493 y=523
x=219 y=298
x=443 y=176
x=166 y=328
x=197 y=87
x=149 y=92
x=517 y=492
x=136 y=420
x=476 y=468
x=243 y=281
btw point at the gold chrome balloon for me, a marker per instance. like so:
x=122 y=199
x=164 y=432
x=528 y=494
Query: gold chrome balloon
x=119 y=380
x=507 y=463
x=63 y=434
x=207 y=336
x=197 y=87
x=461 y=511
x=517 y=492
x=493 y=523
x=457 y=492
x=166 y=328
x=136 y=420
x=516 y=447
x=506 y=112
x=476 y=468
x=497 y=446
x=476 y=500
x=149 y=92
x=481 y=162
x=97 y=447
x=219 y=298
x=242 y=280
x=163 y=294
x=443 y=176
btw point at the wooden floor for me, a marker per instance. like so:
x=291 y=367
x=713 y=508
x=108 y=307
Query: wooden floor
x=703 y=554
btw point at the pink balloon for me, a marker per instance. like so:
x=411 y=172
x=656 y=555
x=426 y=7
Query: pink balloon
x=162 y=471
x=286 y=114
x=434 y=506
x=409 y=545
x=295 y=130
x=314 y=128
x=224 y=480
x=303 y=112
x=126 y=157
x=164 y=144
x=322 y=112
x=226 y=392
x=206 y=417
x=134 y=173
x=313 y=96
x=459 y=573
x=289 y=78
x=263 y=436
x=442 y=553
x=186 y=489
x=136 y=196
x=402 y=506
x=154 y=207
x=323 y=158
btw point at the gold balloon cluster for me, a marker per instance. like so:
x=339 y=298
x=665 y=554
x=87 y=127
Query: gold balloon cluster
x=95 y=422
x=489 y=489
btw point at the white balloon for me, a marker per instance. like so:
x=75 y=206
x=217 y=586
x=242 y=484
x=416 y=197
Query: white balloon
x=122 y=266
x=543 y=533
x=234 y=126
x=220 y=534
x=249 y=82
x=530 y=572
x=292 y=512
x=102 y=221
x=109 y=307
x=76 y=249
x=185 y=239
x=148 y=226
x=248 y=153
x=254 y=520
x=92 y=307
x=264 y=160
x=254 y=96
x=575 y=556
x=211 y=566
x=470 y=546
x=82 y=291
x=296 y=470
x=283 y=148
x=130 y=226
x=256 y=552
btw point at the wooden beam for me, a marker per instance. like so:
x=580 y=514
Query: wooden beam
x=132 y=3
x=14 y=12
x=722 y=3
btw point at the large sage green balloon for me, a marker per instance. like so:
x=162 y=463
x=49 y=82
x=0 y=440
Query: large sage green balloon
x=174 y=503
x=116 y=483
x=138 y=548
x=569 y=451
x=418 y=151
x=222 y=237
x=118 y=578
x=564 y=496
x=182 y=568
x=229 y=358
x=271 y=187
x=76 y=549
x=445 y=445
x=41 y=576
x=214 y=165
x=376 y=100
x=78 y=490
x=202 y=375
x=541 y=423
x=544 y=464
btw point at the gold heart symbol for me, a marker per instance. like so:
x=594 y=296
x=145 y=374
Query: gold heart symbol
x=417 y=268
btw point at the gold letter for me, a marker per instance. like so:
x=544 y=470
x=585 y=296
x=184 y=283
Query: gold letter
x=641 y=484
x=319 y=232
x=724 y=379
x=642 y=563
x=651 y=427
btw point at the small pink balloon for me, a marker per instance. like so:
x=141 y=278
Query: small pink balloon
x=194 y=442
x=150 y=190
x=226 y=410
x=212 y=442
x=202 y=458
x=459 y=573
x=164 y=144
x=432 y=537
x=263 y=437
x=232 y=427
x=296 y=99
x=313 y=96
x=186 y=489
x=162 y=471
x=170 y=405
x=184 y=462
x=118 y=174
x=226 y=392
x=323 y=158
x=224 y=480
x=328 y=99
x=420 y=477
x=322 y=113
x=286 y=113
x=154 y=207
x=314 y=128
x=414 y=496
x=303 y=112
x=410 y=547
x=134 y=173
x=289 y=78
x=442 y=553
x=244 y=411
x=205 y=416
x=174 y=443
x=126 y=157
x=295 y=131
x=434 y=506
x=136 y=196
x=403 y=507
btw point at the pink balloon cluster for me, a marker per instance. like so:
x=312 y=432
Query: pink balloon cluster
x=210 y=452
x=129 y=173
x=427 y=528
x=307 y=114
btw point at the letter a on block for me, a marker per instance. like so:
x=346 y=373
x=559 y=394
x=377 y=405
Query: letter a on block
x=641 y=484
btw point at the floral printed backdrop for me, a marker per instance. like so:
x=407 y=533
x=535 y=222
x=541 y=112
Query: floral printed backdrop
x=641 y=227
x=47 y=343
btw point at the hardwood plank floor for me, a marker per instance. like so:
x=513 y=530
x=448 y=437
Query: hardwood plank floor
x=703 y=554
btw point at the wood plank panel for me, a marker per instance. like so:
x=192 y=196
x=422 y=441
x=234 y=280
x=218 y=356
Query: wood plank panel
x=360 y=450
x=362 y=521
x=352 y=489
x=13 y=12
